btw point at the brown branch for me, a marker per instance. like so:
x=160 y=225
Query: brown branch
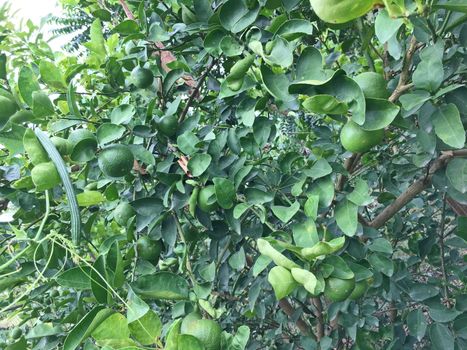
x=127 y=10
x=319 y=317
x=405 y=71
x=416 y=188
x=289 y=311
x=195 y=91
x=349 y=165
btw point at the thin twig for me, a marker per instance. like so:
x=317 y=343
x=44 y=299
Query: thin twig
x=441 y=247
x=195 y=91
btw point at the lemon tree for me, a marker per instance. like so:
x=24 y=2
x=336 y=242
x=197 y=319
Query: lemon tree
x=234 y=175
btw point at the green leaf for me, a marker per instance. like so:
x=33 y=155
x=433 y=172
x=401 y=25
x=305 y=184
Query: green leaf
x=381 y=245
x=441 y=337
x=361 y=193
x=225 y=192
x=71 y=101
x=448 y=125
x=122 y=114
x=456 y=172
x=147 y=328
x=421 y=292
x=379 y=113
x=341 y=268
x=161 y=285
x=113 y=327
x=325 y=104
x=386 y=26
x=294 y=29
x=86 y=326
x=99 y=280
x=281 y=281
x=323 y=248
x=276 y=84
x=240 y=339
x=187 y=142
x=41 y=105
x=173 y=334
x=126 y=27
x=306 y=278
x=199 y=163
x=285 y=214
x=309 y=70
x=77 y=278
x=320 y=169
x=305 y=233
x=324 y=189
x=231 y=47
x=346 y=217
x=97 y=43
x=27 y=84
x=235 y=15
x=382 y=264
x=108 y=132
x=429 y=74
x=90 y=198
x=280 y=53
x=52 y=76
x=279 y=259
x=137 y=308
x=311 y=206
x=417 y=324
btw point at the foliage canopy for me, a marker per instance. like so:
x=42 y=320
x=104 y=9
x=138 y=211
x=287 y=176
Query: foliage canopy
x=188 y=164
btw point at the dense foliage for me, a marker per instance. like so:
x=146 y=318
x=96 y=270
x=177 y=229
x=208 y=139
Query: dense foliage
x=236 y=174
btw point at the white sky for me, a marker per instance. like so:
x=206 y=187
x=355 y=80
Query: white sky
x=35 y=10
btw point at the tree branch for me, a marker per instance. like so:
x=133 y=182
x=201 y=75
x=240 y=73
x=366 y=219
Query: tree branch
x=319 y=317
x=126 y=9
x=195 y=91
x=289 y=311
x=405 y=72
x=416 y=188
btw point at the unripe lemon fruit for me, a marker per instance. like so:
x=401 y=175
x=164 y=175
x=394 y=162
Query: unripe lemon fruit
x=207 y=199
x=148 y=249
x=116 y=161
x=372 y=84
x=355 y=139
x=341 y=11
x=45 y=176
x=142 y=77
x=168 y=125
x=123 y=212
x=337 y=289
x=208 y=332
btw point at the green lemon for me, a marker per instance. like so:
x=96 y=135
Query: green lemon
x=116 y=160
x=207 y=332
x=337 y=289
x=341 y=11
x=123 y=212
x=16 y=333
x=148 y=249
x=168 y=125
x=62 y=145
x=372 y=84
x=359 y=290
x=33 y=148
x=7 y=109
x=45 y=176
x=142 y=77
x=355 y=139
x=207 y=199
